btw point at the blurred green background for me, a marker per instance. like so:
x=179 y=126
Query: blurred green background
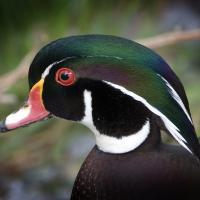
x=41 y=161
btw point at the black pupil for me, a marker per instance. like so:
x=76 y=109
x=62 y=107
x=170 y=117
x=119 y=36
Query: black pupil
x=64 y=76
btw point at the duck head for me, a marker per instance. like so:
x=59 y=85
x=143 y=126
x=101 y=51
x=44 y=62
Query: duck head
x=116 y=87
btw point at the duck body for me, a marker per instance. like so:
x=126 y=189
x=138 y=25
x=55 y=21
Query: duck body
x=154 y=175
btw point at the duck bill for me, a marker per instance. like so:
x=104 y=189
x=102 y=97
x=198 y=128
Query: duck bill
x=31 y=112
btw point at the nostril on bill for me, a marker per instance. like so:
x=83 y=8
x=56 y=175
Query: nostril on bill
x=3 y=128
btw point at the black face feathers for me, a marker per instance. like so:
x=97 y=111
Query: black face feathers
x=114 y=113
x=63 y=101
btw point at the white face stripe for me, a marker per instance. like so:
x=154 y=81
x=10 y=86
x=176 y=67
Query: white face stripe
x=176 y=98
x=169 y=125
x=47 y=70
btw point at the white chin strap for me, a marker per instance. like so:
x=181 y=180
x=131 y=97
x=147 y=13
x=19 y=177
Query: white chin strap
x=112 y=144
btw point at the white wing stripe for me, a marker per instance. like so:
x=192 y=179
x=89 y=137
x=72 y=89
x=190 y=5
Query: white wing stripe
x=176 y=98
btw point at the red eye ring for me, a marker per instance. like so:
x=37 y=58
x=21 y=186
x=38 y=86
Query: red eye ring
x=65 y=76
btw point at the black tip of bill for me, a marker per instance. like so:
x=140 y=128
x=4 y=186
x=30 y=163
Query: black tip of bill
x=3 y=127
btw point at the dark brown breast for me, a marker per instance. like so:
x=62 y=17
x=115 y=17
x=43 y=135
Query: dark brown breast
x=167 y=172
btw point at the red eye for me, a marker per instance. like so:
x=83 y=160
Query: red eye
x=65 y=76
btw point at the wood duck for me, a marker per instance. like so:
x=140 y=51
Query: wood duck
x=126 y=94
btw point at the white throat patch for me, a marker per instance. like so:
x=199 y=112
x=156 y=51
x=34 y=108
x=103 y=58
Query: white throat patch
x=112 y=144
